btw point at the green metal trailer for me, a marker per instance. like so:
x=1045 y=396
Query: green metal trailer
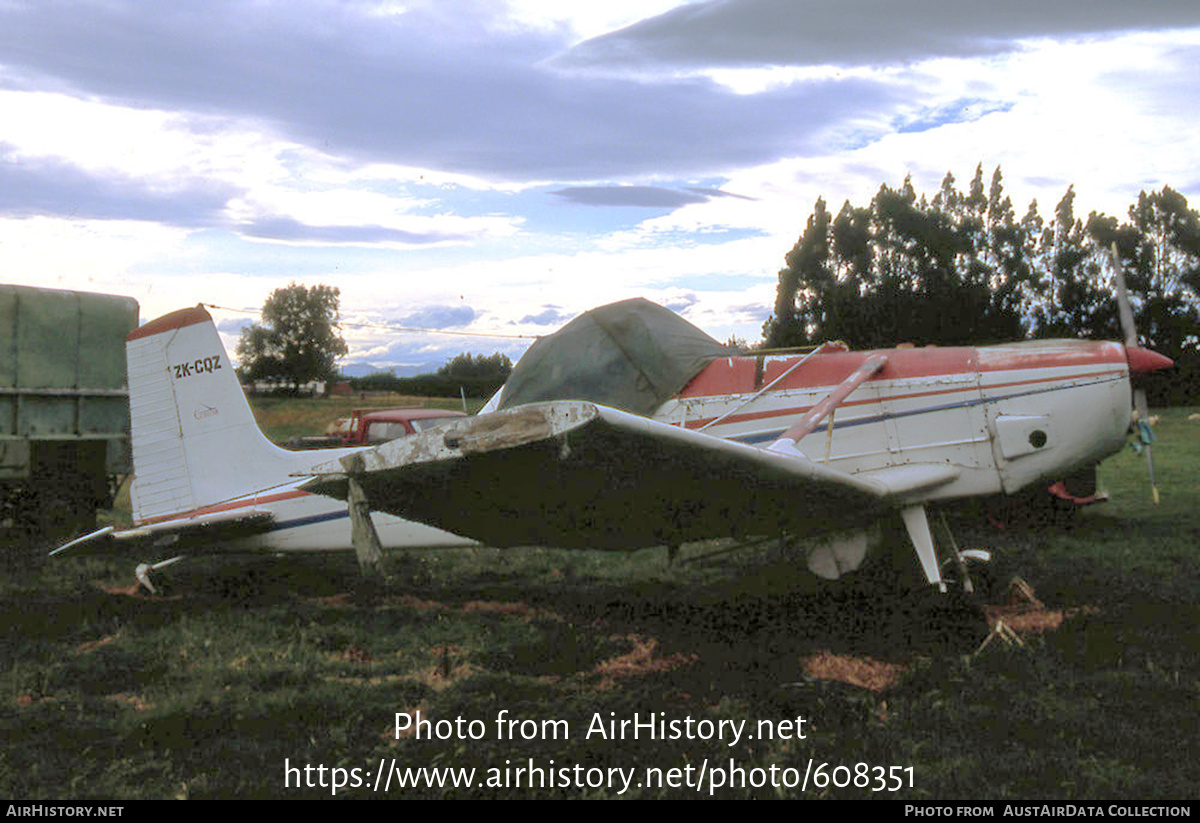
x=64 y=406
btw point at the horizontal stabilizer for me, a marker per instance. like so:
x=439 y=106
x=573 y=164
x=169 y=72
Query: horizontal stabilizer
x=212 y=527
x=577 y=474
x=239 y=523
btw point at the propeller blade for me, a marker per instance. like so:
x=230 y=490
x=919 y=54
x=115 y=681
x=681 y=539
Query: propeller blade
x=1140 y=405
x=1123 y=308
x=1143 y=423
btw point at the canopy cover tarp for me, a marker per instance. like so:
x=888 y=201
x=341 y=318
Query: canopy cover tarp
x=632 y=355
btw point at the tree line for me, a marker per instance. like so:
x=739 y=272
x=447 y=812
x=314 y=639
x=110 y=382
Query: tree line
x=961 y=269
x=475 y=375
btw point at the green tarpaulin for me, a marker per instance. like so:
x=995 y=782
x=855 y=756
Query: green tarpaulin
x=632 y=355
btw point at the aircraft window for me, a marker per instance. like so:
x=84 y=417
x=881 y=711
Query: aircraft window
x=427 y=423
x=383 y=431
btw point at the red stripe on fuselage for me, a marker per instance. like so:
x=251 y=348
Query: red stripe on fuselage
x=789 y=412
x=736 y=375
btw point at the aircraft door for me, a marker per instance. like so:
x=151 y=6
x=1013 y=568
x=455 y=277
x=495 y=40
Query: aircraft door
x=939 y=418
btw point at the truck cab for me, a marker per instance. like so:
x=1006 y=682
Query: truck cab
x=369 y=427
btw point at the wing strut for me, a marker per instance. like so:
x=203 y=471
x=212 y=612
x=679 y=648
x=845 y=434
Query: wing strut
x=367 y=546
x=818 y=350
x=805 y=425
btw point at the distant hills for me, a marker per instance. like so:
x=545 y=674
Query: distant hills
x=365 y=369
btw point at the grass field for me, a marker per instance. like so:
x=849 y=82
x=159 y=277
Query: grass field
x=208 y=691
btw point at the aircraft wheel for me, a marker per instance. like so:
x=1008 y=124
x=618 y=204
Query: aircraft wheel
x=983 y=579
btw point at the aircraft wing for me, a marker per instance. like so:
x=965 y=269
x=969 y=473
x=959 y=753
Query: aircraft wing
x=575 y=474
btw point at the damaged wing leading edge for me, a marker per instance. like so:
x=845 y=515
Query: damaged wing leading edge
x=576 y=474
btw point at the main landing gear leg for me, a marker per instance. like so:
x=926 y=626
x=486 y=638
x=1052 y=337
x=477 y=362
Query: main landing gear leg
x=922 y=539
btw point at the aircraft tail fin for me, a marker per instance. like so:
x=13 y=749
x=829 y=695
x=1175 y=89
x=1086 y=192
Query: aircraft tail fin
x=195 y=440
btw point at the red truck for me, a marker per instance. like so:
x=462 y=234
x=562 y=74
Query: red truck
x=367 y=427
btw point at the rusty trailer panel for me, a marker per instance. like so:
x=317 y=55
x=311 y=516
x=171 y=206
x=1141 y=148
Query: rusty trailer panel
x=62 y=363
x=64 y=406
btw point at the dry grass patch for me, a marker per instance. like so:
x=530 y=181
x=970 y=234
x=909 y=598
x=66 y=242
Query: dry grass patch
x=864 y=672
x=639 y=661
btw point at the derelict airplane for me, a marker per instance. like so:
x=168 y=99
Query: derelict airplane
x=629 y=428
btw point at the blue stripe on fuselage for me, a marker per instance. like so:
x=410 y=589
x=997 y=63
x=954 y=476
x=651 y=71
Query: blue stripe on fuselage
x=771 y=436
x=310 y=520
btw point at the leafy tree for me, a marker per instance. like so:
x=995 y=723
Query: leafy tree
x=905 y=269
x=495 y=366
x=1069 y=296
x=961 y=269
x=1009 y=251
x=806 y=264
x=1165 y=268
x=298 y=340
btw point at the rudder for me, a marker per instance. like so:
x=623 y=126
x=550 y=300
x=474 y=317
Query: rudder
x=195 y=440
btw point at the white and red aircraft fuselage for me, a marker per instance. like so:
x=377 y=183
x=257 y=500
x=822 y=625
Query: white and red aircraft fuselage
x=1005 y=417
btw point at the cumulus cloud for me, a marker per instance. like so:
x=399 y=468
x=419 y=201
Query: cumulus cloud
x=548 y=316
x=433 y=87
x=223 y=148
x=681 y=303
x=439 y=317
x=640 y=196
x=859 y=32
x=36 y=186
x=287 y=229
x=650 y=197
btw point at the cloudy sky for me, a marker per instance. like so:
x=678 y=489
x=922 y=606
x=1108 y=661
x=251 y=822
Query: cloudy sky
x=498 y=166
